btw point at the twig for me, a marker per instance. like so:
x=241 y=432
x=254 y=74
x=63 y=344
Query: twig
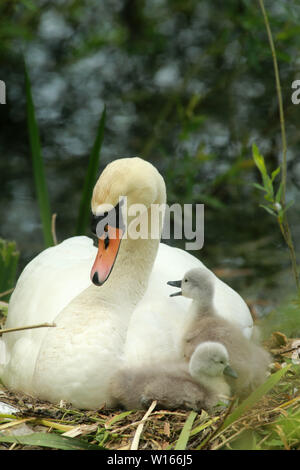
x=3 y=294
x=138 y=432
x=53 y=228
x=219 y=428
x=136 y=423
x=228 y=439
x=31 y=327
x=284 y=225
x=288 y=350
x=279 y=95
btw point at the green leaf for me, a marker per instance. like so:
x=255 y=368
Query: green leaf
x=268 y=210
x=90 y=179
x=255 y=396
x=259 y=186
x=38 y=164
x=269 y=198
x=260 y=163
x=279 y=193
x=117 y=418
x=55 y=441
x=185 y=433
x=203 y=426
x=30 y=5
x=9 y=257
x=275 y=173
x=259 y=160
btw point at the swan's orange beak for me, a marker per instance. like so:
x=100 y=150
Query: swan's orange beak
x=108 y=247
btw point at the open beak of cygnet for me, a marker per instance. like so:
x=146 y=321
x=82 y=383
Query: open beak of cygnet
x=110 y=229
x=175 y=284
x=230 y=371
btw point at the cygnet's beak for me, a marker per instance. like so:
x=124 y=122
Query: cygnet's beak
x=230 y=371
x=108 y=246
x=175 y=284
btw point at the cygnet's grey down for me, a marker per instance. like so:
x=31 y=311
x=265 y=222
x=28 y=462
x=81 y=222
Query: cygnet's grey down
x=197 y=384
x=249 y=360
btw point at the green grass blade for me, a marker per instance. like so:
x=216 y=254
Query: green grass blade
x=116 y=418
x=9 y=257
x=203 y=426
x=38 y=164
x=90 y=179
x=186 y=431
x=52 y=440
x=255 y=397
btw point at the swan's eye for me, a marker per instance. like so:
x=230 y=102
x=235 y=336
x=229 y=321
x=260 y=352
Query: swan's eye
x=185 y=280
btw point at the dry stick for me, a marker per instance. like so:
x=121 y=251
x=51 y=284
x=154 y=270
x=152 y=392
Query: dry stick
x=218 y=429
x=284 y=226
x=31 y=327
x=53 y=228
x=228 y=439
x=138 y=432
x=287 y=350
x=3 y=294
x=135 y=423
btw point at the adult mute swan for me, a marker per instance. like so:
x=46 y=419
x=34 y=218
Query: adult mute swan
x=127 y=313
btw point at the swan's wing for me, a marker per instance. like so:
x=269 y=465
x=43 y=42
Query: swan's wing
x=157 y=323
x=46 y=286
x=49 y=282
x=228 y=303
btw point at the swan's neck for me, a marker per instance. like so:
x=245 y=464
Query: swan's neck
x=201 y=307
x=130 y=274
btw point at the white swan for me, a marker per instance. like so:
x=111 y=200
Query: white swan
x=76 y=360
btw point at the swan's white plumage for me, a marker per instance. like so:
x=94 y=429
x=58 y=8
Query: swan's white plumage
x=47 y=284
x=57 y=275
x=158 y=321
x=76 y=360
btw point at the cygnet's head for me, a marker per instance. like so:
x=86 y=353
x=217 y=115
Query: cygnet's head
x=197 y=284
x=210 y=359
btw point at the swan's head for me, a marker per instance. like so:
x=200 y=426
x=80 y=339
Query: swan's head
x=133 y=180
x=197 y=284
x=210 y=359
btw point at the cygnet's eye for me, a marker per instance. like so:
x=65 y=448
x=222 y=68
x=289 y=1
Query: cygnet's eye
x=185 y=280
